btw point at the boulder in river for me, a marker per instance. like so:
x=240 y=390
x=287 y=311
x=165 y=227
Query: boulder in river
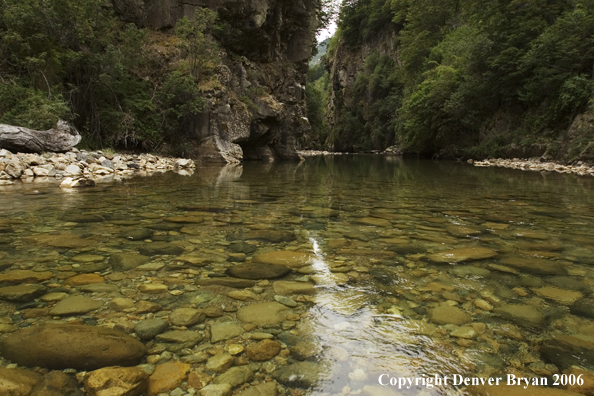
x=71 y=346
x=257 y=271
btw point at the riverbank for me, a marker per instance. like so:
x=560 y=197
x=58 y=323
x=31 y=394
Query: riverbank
x=535 y=164
x=97 y=166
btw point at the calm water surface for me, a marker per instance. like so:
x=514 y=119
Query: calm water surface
x=390 y=298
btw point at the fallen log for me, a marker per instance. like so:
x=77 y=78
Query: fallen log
x=58 y=139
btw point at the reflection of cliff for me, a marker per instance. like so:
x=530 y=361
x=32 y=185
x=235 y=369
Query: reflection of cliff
x=258 y=110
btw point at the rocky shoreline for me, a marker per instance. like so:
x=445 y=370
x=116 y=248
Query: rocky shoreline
x=79 y=167
x=536 y=164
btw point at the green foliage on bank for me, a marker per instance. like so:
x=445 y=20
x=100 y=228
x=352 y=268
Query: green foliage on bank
x=121 y=86
x=465 y=76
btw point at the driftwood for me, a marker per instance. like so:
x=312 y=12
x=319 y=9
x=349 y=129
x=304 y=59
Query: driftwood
x=61 y=138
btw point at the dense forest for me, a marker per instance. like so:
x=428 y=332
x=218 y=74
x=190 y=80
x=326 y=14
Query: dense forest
x=458 y=78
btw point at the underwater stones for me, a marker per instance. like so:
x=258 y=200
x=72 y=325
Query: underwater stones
x=185 y=338
x=71 y=346
x=285 y=288
x=274 y=236
x=87 y=258
x=243 y=295
x=242 y=247
x=262 y=389
x=462 y=231
x=160 y=248
x=136 y=234
x=446 y=314
x=84 y=279
x=461 y=255
x=235 y=376
x=569 y=350
x=286 y=258
x=220 y=363
x=373 y=221
x=186 y=317
x=149 y=328
x=23 y=292
x=263 y=350
x=17 y=381
x=257 y=271
x=464 y=271
x=467 y=332
x=383 y=276
x=583 y=307
x=216 y=390
x=565 y=297
x=185 y=219
x=223 y=331
x=24 y=276
x=116 y=381
x=301 y=374
x=534 y=265
x=263 y=314
x=75 y=305
x=530 y=234
x=167 y=376
x=153 y=288
x=228 y=282
x=68 y=241
x=521 y=315
x=127 y=261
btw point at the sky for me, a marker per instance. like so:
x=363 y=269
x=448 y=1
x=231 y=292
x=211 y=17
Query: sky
x=328 y=32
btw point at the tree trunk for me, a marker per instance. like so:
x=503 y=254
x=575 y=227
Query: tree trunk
x=61 y=138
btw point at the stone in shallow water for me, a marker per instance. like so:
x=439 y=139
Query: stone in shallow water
x=24 y=276
x=185 y=219
x=521 y=315
x=569 y=350
x=286 y=258
x=583 y=307
x=84 y=279
x=242 y=247
x=235 y=376
x=373 y=221
x=257 y=271
x=263 y=314
x=160 y=248
x=136 y=234
x=167 y=376
x=263 y=389
x=87 y=258
x=565 y=297
x=187 y=338
x=223 y=331
x=153 y=288
x=244 y=295
x=17 y=382
x=75 y=305
x=534 y=265
x=68 y=241
x=229 y=282
x=462 y=254
x=216 y=390
x=470 y=271
x=186 y=317
x=220 y=363
x=88 y=268
x=21 y=292
x=530 y=234
x=273 y=236
x=116 y=381
x=446 y=314
x=301 y=374
x=149 y=328
x=71 y=346
x=100 y=288
x=263 y=350
x=462 y=231
x=285 y=288
x=127 y=261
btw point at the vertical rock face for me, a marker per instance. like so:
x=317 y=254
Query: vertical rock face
x=265 y=48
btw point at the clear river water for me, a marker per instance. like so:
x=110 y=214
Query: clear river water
x=399 y=269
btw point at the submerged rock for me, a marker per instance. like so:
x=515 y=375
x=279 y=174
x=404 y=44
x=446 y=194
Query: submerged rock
x=446 y=314
x=167 y=377
x=285 y=288
x=534 y=265
x=21 y=293
x=462 y=254
x=263 y=314
x=223 y=331
x=71 y=346
x=117 y=381
x=17 y=382
x=127 y=261
x=75 y=305
x=257 y=271
x=569 y=350
x=521 y=315
x=235 y=376
x=301 y=374
x=286 y=258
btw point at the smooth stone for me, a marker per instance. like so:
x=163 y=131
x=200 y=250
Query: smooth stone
x=569 y=350
x=301 y=374
x=71 y=346
x=235 y=349
x=305 y=350
x=263 y=350
x=565 y=297
x=187 y=338
x=167 y=376
x=185 y=219
x=273 y=236
x=446 y=314
x=242 y=247
x=149 y=328
x=196 y=261
x=116 y=381
x=82 y=218
x=121 y=304
x=87 y=268
x=100 y=288
x=228 y=282
x=263 y=389
x=462 y=231
x=462 y=254
x=285 y=300
x=87 y=258
x=75 y=305
x=17 y=381
x=127 y=261
x=263 y=314
x=153 y=288
x=57 y=383
x=216 y=390
x=24 y=276
x=285 y=288
x=223 y=331
x=154 y=266
x=529 y=234
x=143 y=306
x=534 y=265
x=470 y=271
x=84 y=279
x=67 y=241
x=373 y=221
x=257 y=271
x=186 y=317
x=160 y=248
x=21 y=293
x=137 y=234
x=244 y=295
x=235 y=376
x=521 y=315
x=467 y=332
x=53 y=297
x=583 y=307
x=286 y=258
x=220 y=363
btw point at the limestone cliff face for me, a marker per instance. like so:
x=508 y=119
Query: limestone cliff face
x=265 y=55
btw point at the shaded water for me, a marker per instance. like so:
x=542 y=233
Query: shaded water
x=373 y=226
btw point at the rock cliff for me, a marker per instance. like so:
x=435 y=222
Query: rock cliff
x=257 y=112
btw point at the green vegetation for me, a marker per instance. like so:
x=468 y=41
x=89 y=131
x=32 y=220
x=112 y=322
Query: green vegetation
x=121 y=86
x=465 y=77
x=316 y=96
